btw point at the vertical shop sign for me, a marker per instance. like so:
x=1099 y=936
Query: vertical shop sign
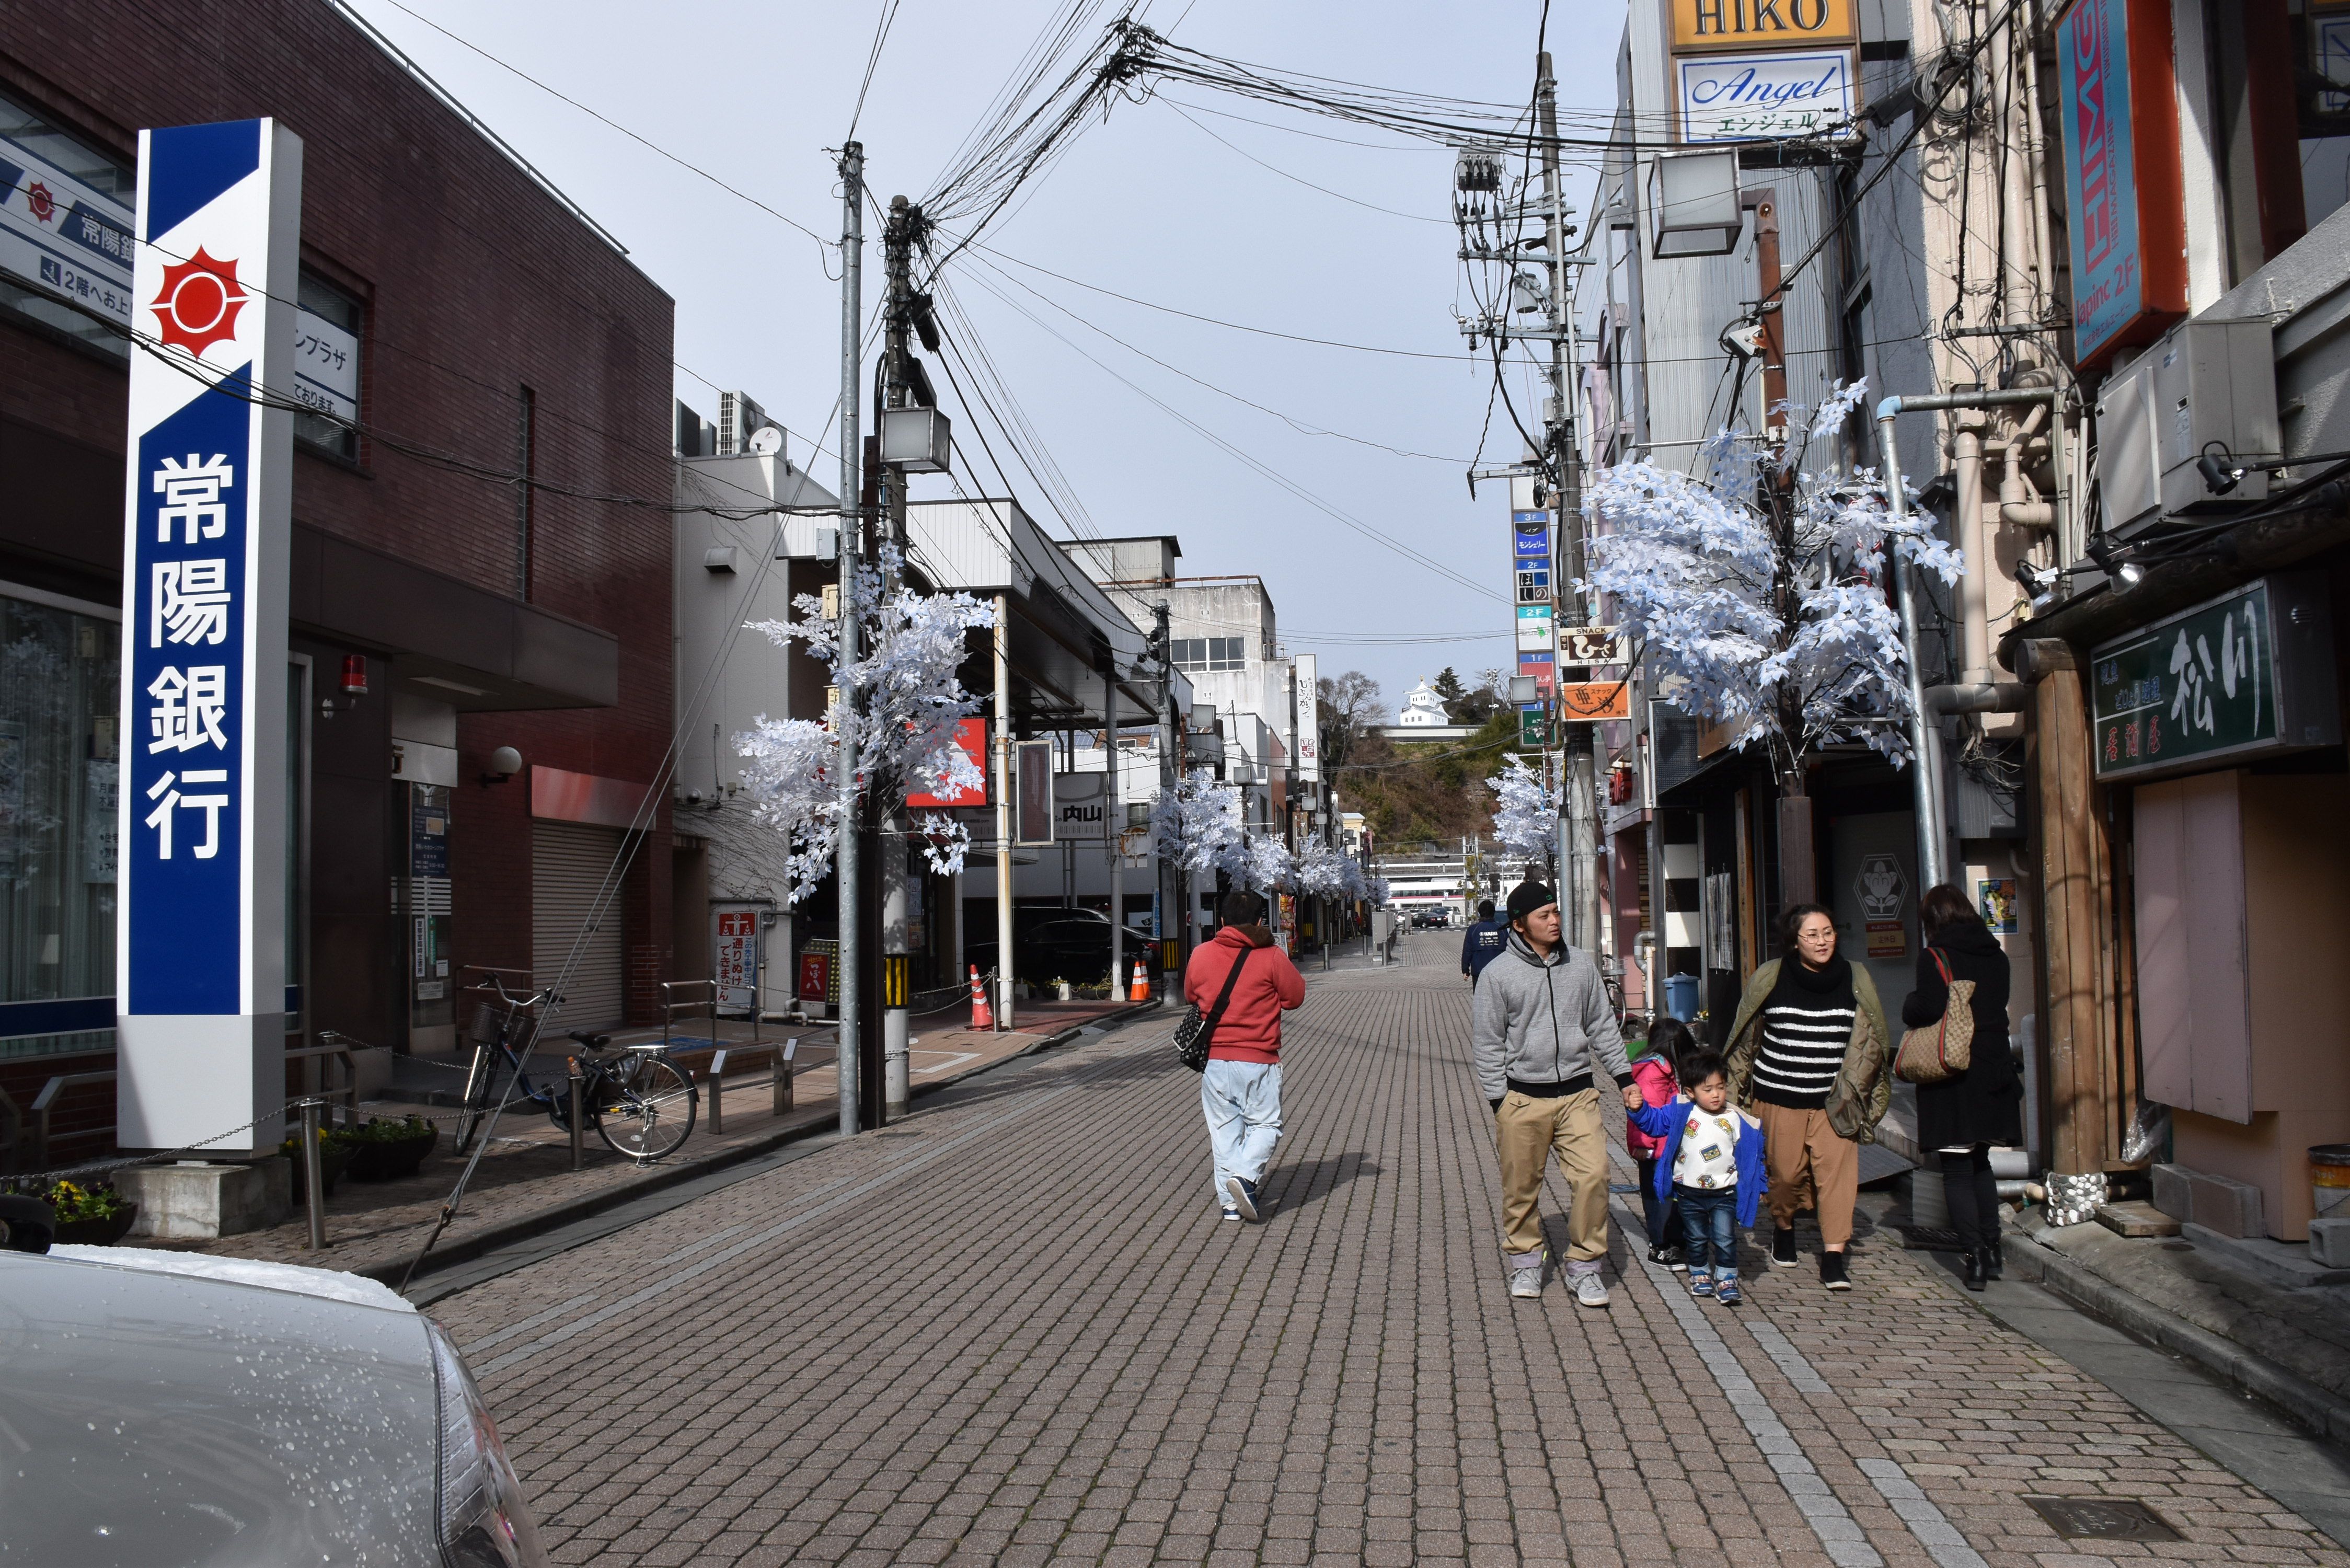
x=736 y=945
x=201 y=997
x=2121 y=174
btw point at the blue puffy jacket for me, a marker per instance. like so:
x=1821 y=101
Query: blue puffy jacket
x=1669 y=1122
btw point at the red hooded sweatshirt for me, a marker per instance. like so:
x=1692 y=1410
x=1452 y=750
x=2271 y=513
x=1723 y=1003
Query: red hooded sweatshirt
x=1250 y=1030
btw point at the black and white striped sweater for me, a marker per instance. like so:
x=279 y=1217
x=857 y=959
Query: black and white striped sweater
x=1806 y=1026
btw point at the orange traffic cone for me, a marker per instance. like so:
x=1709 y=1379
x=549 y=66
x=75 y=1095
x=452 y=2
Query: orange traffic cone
x=981 y=1015
x=1141 y=991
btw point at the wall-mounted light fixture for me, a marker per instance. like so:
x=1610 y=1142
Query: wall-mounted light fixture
x=504 y=763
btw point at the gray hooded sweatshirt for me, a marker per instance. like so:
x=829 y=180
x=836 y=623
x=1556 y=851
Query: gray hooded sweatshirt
x=1541 y=1022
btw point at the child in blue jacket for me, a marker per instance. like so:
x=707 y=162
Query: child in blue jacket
x=1711 y=1169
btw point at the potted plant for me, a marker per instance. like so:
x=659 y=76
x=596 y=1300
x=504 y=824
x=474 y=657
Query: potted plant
x=387 y=1150
x=334 y=1154
x=91 y=1216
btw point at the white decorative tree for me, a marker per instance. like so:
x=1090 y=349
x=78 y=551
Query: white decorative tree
x=1758 y=590
x=1264 y=865
x=900 y=702
x=1196 y=827
x=1525 y=816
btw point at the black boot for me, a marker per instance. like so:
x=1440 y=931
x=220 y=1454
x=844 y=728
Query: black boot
x=1994 y=1263
x=1975 y=1260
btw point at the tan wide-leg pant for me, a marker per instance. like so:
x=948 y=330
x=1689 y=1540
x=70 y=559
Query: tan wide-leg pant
x=1810 y=1166
x=1526 y=1131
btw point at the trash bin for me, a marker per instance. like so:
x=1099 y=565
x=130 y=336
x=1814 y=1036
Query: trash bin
x=1680 y=997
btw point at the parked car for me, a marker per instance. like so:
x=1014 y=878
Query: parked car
x=174 y=1409
x=1049 y=944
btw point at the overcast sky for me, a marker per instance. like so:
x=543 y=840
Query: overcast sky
x=1208 y=214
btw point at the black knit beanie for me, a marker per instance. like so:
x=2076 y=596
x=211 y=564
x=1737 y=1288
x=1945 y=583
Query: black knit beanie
x=1527 y=897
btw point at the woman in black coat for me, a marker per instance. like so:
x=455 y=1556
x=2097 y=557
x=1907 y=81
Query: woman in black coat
x=1960 y=1117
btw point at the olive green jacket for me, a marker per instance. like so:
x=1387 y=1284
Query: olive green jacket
x=1863 y=1089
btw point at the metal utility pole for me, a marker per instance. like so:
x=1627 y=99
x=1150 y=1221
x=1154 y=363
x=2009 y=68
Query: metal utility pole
x=1114 y=829
x=1578 y=818
x=845 y=858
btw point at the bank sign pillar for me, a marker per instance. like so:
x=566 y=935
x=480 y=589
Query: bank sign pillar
x=200 y=934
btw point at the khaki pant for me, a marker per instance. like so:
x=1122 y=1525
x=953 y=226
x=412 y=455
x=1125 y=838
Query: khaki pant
x=1810 y=1166
x=1525 y=1132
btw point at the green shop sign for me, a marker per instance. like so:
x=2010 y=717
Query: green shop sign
x=2248 y=673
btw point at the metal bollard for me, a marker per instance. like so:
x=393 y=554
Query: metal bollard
x=784 y=1055
x=314 y=1178
x=577 y=1149
x=717 y=1084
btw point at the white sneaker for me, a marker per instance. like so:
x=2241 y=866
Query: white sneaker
x=1590 y=1289
x=1526 y=1283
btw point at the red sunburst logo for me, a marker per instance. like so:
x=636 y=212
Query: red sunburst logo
x=44 y=205
x=198 y=304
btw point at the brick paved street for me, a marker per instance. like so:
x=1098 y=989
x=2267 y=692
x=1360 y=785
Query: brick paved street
x=1013 y=1329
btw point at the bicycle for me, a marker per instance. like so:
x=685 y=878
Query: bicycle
x=641 y=1103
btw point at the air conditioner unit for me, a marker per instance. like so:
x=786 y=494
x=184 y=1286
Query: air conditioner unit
x=2208 y=386
x=738 y=416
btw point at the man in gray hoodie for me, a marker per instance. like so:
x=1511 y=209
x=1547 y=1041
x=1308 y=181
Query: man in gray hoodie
x=1542 y=1022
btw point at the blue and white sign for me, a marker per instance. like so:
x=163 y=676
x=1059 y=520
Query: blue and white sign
x=58 y=235
x=1530 y=540
x=201 y=992
x=1739 y=98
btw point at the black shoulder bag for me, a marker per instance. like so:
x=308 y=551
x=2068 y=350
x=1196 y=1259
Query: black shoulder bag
x=1194 y=1035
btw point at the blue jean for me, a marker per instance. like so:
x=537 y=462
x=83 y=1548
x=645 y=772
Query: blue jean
x=1664 y=1219
x=1709 y=1226
x=1243 y=1102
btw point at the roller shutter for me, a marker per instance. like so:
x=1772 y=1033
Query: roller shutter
x=569 y=863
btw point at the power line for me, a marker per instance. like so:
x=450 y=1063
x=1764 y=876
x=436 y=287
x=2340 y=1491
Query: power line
x=1300 y=426
x=1270 y=168
x=1260 y=468
x=872 y=59
x=686 y=164
x=1230 y=326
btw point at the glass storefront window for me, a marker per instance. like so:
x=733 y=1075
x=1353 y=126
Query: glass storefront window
x=59 y=678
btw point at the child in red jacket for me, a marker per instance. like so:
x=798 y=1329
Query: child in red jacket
x=1657 y=1075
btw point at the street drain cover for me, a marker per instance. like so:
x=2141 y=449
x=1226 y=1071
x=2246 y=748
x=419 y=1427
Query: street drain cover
x=2102 y=1519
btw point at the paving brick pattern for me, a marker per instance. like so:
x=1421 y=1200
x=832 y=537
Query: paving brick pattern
x=1014 y=1330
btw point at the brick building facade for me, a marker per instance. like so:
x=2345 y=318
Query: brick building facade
x=495 y=331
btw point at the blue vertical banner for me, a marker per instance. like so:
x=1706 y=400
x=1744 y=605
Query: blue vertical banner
x=201 y=939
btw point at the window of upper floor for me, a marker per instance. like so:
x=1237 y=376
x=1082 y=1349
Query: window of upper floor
x=1205 y=653
x=65 y=232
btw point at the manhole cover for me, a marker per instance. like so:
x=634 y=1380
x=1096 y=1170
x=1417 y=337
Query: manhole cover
x=2102 y=1519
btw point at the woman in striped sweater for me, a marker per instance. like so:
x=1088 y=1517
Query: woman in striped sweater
x=1807 y=1055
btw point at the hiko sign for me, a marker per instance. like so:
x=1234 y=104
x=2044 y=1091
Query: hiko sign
x=2128 y=217
x=1761 y=24
x=201 y=934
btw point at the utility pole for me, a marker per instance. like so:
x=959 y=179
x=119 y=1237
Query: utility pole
x=1113 y=826
x=899 y=234
x=844 y=859
x=1578 y=818
x=1172 y=912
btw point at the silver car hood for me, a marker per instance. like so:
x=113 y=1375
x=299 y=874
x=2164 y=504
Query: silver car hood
x=150 y=1418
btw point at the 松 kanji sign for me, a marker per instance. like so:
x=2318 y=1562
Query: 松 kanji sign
x=2248 y=673
x=201 y=992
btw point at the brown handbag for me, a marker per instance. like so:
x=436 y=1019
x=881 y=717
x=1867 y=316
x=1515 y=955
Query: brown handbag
x=1938 y=1052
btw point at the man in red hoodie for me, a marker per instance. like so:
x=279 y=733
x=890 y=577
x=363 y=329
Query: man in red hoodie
x=1241 y=1089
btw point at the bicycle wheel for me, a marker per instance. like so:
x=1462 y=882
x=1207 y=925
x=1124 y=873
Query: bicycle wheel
x=644 y=1107
x=475 y=1105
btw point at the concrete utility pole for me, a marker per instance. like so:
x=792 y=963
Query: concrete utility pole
x=845 y=858
x=1578 y=824
x=1171 y=772
x=898 y=237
